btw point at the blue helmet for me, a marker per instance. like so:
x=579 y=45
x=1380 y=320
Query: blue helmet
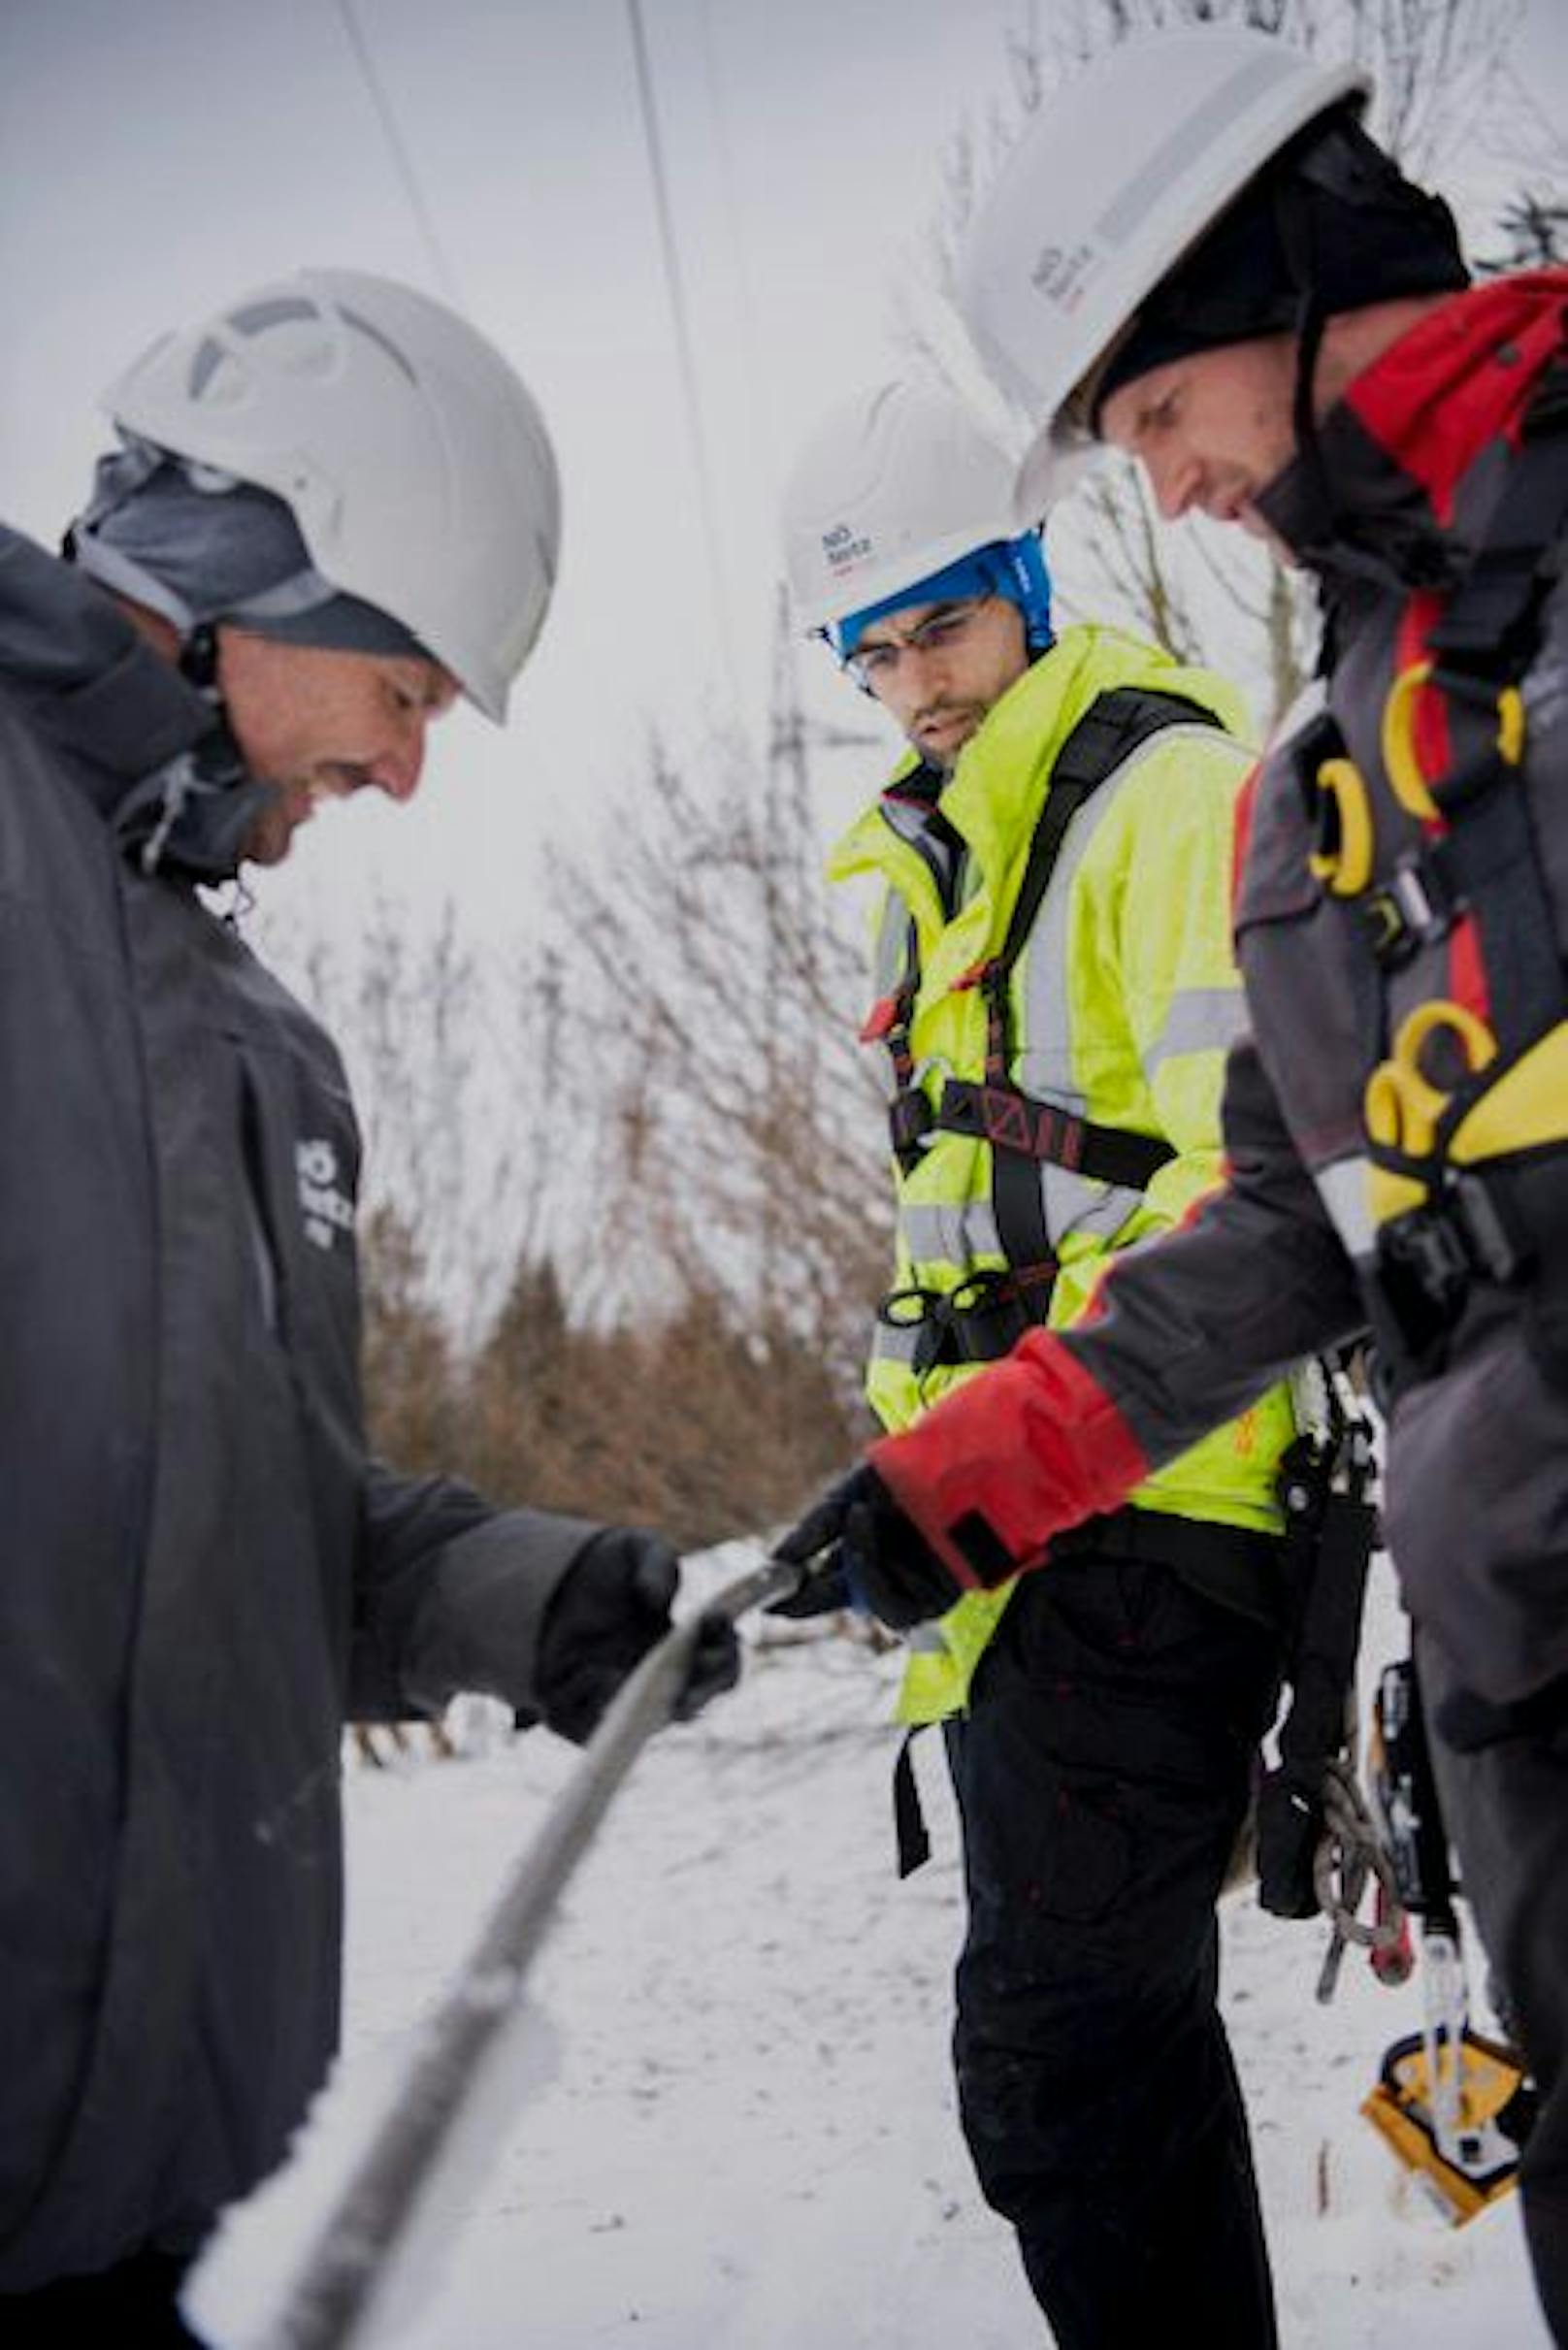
x=1014 y=567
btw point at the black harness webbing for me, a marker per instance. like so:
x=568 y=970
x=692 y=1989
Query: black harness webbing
x=1021 y=1131
x=910 y=1834
x=1499 y=1219
x=1488 y=861
x=1482 y=645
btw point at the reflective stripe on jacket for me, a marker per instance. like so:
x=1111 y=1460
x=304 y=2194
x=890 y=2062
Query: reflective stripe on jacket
x=1124 y=1003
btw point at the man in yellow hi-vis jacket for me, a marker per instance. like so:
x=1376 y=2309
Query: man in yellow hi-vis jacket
x=1055 y=996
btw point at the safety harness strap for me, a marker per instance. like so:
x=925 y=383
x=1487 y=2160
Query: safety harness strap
x=1023 y=1132
x=1042 y=1131
x=1482 y=647
x=1486 y=861
x=1491 y=1213
x=1490 y=623
x=1112 y=728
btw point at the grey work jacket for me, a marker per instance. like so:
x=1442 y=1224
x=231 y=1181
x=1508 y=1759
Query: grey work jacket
x=202 y=1571
x=1477 y=1488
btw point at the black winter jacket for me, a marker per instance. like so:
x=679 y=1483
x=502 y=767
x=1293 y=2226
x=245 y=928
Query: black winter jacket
x=204 y=1571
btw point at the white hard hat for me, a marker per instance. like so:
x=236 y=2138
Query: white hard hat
x=892 y=485
x=415 y=464
x=1116 y=176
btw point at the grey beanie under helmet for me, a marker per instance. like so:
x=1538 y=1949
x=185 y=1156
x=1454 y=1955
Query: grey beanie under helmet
x=199 y=546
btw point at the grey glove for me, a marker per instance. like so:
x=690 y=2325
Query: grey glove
x=608 y=1610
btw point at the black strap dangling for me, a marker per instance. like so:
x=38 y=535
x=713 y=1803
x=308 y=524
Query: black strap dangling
x=198 y=658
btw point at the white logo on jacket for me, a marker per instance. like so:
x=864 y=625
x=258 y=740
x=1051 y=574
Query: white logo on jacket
x=326 y=1208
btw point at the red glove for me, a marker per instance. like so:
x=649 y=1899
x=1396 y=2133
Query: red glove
x=1017 y=1454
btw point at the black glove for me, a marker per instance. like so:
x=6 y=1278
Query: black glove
x=1289 y=1829
x=870 y=1557
x=715 y=1666
x=608 y=1610
x=815 y=1542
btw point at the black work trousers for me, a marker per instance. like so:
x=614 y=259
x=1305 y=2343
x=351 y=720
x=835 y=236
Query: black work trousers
x=136 y=2303
x=1505 y=1806
x=1103 y=1772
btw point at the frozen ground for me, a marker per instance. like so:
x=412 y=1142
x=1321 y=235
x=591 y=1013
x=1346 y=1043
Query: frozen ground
x=748 y=2141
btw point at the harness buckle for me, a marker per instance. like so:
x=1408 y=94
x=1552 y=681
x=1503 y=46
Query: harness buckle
x=980 y=1321
x=980 y=974
x=880 y=1021
x=1495 y=1246
x=1425 y=1250
x=910 y=1119
x=1415 y=908
x=1428 y=1263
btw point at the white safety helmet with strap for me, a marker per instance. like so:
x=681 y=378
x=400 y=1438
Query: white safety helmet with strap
x=415 y=464
x=893 y=486
x=1118 y=174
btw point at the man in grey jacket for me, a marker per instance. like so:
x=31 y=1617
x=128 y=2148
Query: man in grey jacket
x=333 y=511
x=1200 y=256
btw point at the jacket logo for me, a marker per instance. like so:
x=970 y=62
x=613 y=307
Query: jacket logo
x=326 y=1208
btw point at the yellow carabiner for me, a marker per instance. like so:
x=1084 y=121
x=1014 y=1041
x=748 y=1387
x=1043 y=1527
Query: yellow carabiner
x=1399 y=759
x=1346 y=864
x=1510 y=726
x=1403 y=1104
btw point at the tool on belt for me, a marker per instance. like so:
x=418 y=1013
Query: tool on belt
x=1317 y=1848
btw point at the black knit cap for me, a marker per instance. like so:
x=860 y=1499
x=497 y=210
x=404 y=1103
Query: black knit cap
x=1331 y=219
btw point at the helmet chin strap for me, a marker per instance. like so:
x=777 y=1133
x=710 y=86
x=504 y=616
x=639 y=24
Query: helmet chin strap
x=1310 y=321
x=1292 y=215
x=198 y=662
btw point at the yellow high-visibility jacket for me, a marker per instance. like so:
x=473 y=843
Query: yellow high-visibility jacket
x=1124 y=1001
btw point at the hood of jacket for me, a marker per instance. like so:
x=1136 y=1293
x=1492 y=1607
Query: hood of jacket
x=151 y=752
x=1395 y=450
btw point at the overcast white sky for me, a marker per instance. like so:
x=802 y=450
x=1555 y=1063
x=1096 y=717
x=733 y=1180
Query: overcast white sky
x=160 y=155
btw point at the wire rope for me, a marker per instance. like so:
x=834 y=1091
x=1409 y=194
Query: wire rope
x=680 y=319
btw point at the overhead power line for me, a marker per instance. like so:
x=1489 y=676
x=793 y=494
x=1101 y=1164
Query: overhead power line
x=675 y=286
x=401 y=160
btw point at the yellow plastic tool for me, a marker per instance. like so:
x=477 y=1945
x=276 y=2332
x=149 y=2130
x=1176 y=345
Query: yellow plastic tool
x=1343 y=863
x=1404 y=1105
x=1524 y=1109
x=1404 y=771
x=1440 y=2105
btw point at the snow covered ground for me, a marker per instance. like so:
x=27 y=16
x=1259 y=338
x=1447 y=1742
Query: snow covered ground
x=748 y=2141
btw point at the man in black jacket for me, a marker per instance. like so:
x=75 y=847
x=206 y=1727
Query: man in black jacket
x=333 y=510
